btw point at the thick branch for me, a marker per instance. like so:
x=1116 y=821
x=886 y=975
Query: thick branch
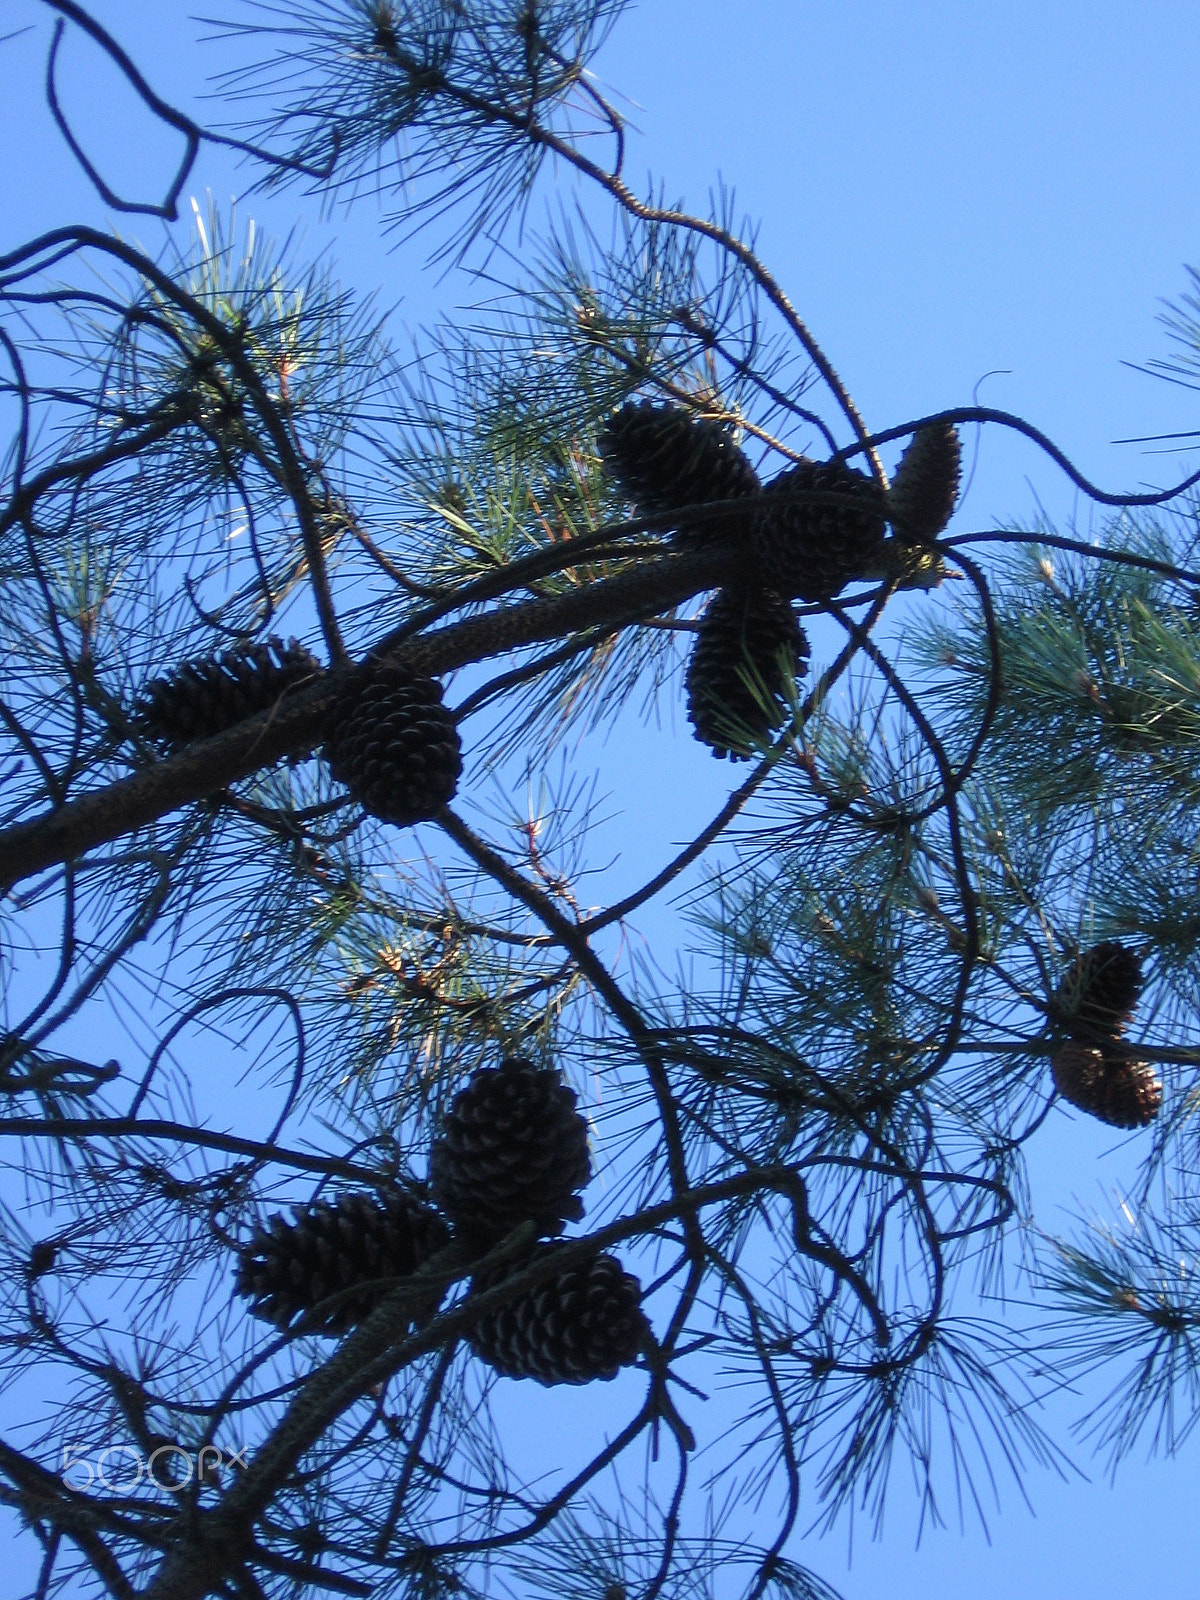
x=297 y=726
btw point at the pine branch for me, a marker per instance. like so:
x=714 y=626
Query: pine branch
x=296 y=728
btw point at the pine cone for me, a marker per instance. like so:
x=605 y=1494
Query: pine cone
x=511 y=1149
x=350 y=1249
x=924 y=491
x=584 y=1323
x=667 y=459
x=204 y=697
x=811 y=549
x=749 y=640
x=1096 y=999
x=393 y=744
x=1117 y=1089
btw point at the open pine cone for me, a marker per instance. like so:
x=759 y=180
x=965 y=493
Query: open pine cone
x=512 y=1148
x=749 y=641
x=1117 y=1089
x=1096 y=999
x=820 y=526
x=394 y=745
x=584 y=1323
x=328 y=1269
x=204 y=697
x=668 y=459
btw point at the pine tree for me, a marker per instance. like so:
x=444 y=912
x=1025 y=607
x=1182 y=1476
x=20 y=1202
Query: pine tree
x=338 y=894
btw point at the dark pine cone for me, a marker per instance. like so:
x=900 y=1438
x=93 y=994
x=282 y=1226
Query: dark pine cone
x=393 y=744
x=1117 y=1089
x=749 y=639
x=511 y=1149
x=584 y=1323
x=667 y=459
x=924 y=491
x=356 y=1245
x=1097 y=997
x=811 y=549
x=205 y=697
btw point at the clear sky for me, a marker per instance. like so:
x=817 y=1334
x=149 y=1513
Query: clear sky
x=960 y=199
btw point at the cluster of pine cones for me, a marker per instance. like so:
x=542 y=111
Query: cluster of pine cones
x=1093 y=1006
x=816 y=527
x=808 y=533
x=512 y=1148
x=389 y=737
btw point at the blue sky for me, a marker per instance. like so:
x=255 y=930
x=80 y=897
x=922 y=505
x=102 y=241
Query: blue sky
x=960 y=199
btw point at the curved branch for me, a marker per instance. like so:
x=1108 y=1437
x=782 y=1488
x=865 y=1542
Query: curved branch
x=1009 y=419
x=194 y=134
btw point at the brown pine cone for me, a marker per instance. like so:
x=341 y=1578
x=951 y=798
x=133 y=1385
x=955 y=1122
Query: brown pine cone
x=748 y=640
x=204 y=697
x=328 y=1269
x=668 y=459
x=582 y=1324
x=394 y=745
x=820 y=526
x=1116 y=1089
x=512 y=1148
x=924 y=491
x=1096 y=999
